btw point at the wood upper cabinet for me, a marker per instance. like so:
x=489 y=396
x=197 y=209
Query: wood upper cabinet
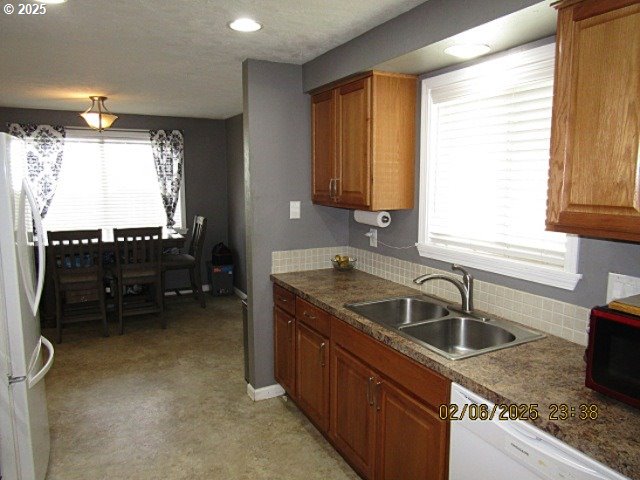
x=363 y=142
x=354 y=149
x=594 y=176
x=323 y=111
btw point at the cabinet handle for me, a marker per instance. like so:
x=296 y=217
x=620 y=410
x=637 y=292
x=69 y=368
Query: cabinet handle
x=376 y=395
x=335 y=187
x=369 y=392
x=321 y=351
x=289 y=325
x=332 y=184
x=308 y=315
x=283 y=300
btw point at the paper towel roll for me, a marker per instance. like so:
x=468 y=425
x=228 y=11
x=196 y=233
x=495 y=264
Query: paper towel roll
x=377 y=219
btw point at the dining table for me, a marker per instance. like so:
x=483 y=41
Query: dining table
x=171 y=239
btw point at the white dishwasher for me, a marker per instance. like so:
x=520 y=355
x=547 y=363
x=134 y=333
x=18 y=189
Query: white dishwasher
x=512 y=450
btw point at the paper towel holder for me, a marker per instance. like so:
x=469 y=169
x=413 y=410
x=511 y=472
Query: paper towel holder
x=379 y=219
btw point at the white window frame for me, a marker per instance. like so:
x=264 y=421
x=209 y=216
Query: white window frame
x=566 y=279
x=135 y=134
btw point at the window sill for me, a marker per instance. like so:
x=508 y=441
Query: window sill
x=510 y=268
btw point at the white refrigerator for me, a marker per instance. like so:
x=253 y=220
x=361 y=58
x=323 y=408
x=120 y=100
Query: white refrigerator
x=25 y=356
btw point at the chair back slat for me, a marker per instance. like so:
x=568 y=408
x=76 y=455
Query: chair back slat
x=75 y=252
x=197 y=239
x=138 y=247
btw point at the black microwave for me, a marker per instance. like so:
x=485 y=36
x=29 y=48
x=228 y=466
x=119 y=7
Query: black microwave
x=613 y=355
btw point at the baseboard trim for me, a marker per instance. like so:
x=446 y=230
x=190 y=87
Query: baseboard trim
x=240 y=293
x=264 y=393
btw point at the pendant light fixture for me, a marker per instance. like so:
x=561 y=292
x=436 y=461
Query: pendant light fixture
x=97 y=116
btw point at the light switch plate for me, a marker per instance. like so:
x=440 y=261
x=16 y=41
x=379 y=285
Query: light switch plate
x=294 y=209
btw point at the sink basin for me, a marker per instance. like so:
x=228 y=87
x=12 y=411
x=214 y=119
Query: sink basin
x=443 y=330
x=396 y=312
x=461 y=337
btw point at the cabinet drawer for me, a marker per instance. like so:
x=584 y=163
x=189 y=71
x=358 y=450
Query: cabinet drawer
x=313 y=317
x=284 y=299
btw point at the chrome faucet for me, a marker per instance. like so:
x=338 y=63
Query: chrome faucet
x=465 y=287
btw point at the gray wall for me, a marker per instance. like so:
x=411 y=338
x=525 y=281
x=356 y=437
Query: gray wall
x=277 y=170
x=428 y=23
x=423 y=25
x=204 y=165
x=596 y=257
x=235 y=188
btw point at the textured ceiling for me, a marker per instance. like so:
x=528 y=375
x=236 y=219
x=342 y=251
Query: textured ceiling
x=162 y=57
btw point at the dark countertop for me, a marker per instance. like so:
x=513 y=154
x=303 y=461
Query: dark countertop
x=545 y=372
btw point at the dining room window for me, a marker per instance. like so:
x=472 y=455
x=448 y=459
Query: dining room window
x=484 y=169
x=108 y=180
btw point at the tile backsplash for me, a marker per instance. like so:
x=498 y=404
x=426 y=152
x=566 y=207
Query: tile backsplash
x=551 y=316
x=307 y=259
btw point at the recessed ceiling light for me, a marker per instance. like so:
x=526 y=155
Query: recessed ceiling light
x=245 y=25
x=467 y=51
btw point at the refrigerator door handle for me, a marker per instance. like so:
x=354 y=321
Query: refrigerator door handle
x=41 y=236
x=33 y=380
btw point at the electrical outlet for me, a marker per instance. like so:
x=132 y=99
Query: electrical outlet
x=620 y=286
x=373 y=237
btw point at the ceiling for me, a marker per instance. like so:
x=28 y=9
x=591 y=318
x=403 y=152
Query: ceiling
x=523 y=26
x=162 y=57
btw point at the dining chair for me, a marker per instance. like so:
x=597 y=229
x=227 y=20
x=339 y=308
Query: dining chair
x=190 y=261
x=138 y=263
x=76 y=265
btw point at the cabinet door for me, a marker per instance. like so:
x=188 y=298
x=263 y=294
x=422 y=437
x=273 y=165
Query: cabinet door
x=312 y=375
x=284 y=349
x=352 y=413
x=323 y=144
x=594 y=185
x=411 y=438
x=354 y=143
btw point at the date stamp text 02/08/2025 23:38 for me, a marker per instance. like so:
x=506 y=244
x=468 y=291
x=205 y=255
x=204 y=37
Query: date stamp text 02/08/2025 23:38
x=525 y=411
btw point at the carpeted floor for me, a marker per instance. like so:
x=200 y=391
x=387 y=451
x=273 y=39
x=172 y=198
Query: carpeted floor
x=172 y=404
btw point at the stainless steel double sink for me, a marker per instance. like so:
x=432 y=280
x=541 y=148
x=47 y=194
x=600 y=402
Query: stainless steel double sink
x=441 y=328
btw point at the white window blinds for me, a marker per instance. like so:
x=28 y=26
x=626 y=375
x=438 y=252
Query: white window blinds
x=107 y=180
x=487 y=159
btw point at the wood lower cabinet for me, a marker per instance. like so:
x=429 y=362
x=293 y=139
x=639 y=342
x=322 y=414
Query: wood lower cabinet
x=312 y=375
x=376 y=406
x=284 y=325
x=363 y=142
x=594 y=185
x=411 y=440
x=387 y=407
x=352 y=410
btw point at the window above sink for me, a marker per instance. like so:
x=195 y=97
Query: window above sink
x=484 y=166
